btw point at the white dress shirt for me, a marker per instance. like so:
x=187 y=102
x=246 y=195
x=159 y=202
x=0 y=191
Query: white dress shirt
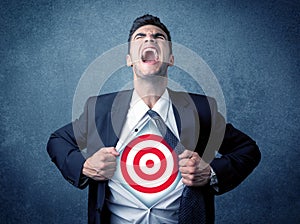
x=125 y=205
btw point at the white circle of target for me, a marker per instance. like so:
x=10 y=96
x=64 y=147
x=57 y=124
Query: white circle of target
x=169 y=161
x=150 y=170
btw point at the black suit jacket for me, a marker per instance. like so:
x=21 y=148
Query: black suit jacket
x=201 y=127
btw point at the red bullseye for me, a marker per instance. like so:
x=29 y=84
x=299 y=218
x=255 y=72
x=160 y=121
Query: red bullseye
x=149 y=164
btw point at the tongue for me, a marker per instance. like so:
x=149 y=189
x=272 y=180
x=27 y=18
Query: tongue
x=149 y=56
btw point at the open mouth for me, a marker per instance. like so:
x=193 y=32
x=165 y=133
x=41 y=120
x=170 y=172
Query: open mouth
x=150 y=55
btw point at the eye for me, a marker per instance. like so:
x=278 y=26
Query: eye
x=139 y=36
x=159 y=36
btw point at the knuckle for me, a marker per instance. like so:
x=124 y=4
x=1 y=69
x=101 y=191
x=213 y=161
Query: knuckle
x=191 y=177
x=108 y=175
x=100 y=173
x=101 y=166
x=188 y=182
x=192 y=170
x=192 y=162
x=101 y=157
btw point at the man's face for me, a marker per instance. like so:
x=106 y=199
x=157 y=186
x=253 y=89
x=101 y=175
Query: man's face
x=150 y=52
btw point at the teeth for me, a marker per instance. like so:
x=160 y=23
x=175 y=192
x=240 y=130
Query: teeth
x=150 y=49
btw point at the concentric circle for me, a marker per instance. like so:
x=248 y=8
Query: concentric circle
x=149 y=164
x=149 y=170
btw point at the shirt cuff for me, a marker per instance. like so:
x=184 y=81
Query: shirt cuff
x=213 y=180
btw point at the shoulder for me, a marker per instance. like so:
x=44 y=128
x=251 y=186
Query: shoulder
x=198 y=100
x=189 y=94
x=109 y=98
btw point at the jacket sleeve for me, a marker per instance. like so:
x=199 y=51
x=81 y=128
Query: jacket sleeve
x=64 y=149
x=239 y=156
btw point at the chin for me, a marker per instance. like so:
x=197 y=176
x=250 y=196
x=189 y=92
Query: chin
x=159 y=71
x=151 y=75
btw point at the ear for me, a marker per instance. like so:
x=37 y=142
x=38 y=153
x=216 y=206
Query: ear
x=128 y=60
x=171 y=60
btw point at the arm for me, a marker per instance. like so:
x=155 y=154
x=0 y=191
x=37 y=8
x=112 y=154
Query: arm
x=65 y=145
x=64 y=148
x=65 y=153
x=240 y=155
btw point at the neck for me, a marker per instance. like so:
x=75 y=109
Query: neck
x=150 y=90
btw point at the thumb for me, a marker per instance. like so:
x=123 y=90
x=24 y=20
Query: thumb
x=113 y=151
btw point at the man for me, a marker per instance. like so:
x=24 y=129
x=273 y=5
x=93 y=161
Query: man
x=108 y=121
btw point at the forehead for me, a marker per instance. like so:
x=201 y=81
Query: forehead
x=149 y=28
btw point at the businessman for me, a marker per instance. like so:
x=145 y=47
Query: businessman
x=151 y=154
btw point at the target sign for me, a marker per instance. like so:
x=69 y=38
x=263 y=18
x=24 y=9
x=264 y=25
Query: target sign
x=149 y=164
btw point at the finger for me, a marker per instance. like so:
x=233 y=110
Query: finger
x=188 y=170
x=194 y=183
x=92 y=173
x=112 y=150
x=194 y=167
x=106 y=173
x=99 y=170
x=100 y=177
x=195 y=156
x=194 y=175
x=107 y=158
x=196 y=178
x=107 y=166
x=106 y=150
x=108 y=162
x=186 y=154
x=105 y=162
x=188 y=162
x=183 y=162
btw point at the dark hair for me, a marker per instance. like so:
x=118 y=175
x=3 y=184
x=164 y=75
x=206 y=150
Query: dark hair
x=148 y=20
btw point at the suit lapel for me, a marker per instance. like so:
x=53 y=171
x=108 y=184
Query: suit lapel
x=117 y=115
x=186 y=119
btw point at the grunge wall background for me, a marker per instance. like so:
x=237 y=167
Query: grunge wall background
x=251 y=46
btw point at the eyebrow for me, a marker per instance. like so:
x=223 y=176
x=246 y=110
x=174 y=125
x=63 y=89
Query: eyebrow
x=140 y=34
x=154 y=35
x=159 y=35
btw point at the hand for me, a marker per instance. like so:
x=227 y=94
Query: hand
x=101 y=165
x=194 y=170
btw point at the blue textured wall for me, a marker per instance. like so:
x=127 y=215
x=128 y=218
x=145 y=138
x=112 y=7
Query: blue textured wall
x=251 y=46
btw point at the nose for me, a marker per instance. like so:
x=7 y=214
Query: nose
x=149 y=38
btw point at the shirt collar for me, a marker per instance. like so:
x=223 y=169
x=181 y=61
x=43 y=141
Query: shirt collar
x=162 y=106
x=138 y=108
